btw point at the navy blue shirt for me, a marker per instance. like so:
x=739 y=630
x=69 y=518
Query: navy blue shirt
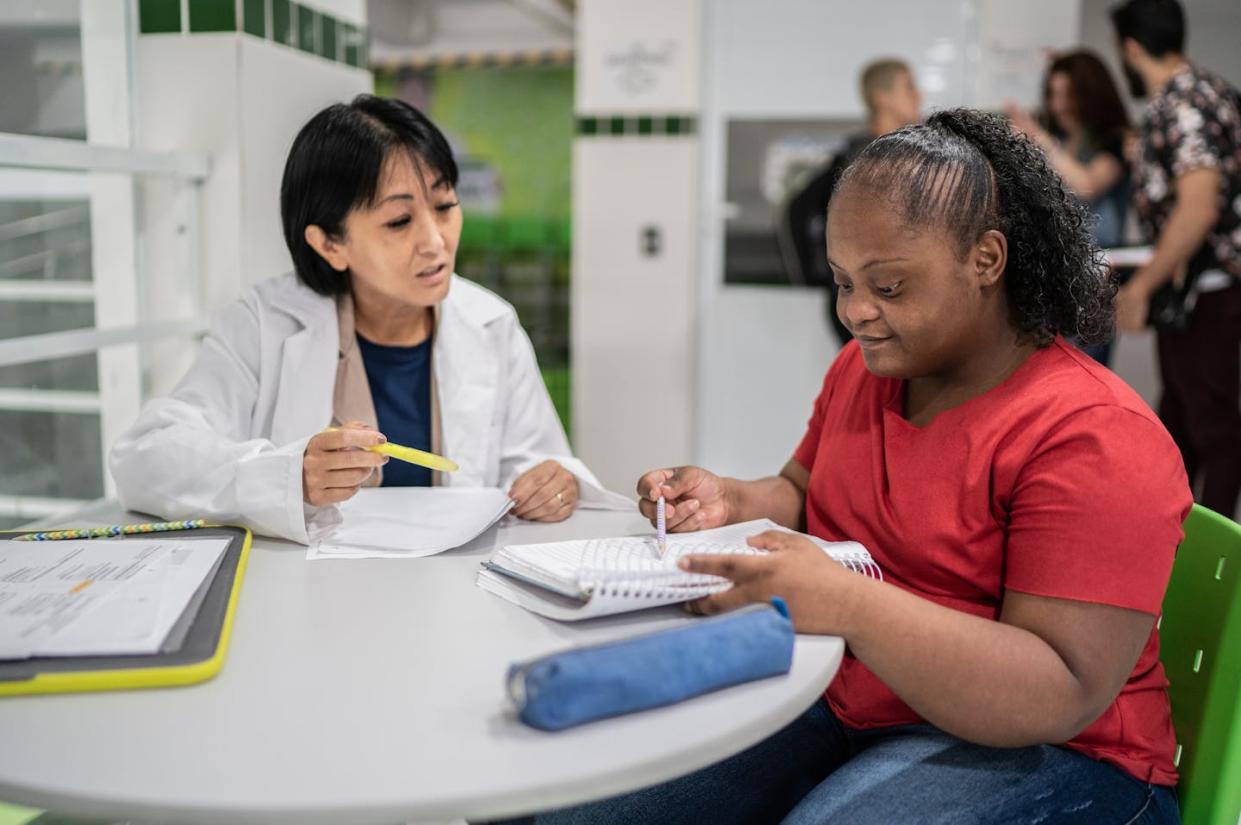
x=400 y=379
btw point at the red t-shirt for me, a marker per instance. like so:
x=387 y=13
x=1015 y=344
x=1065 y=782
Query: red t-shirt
x=1059 y=482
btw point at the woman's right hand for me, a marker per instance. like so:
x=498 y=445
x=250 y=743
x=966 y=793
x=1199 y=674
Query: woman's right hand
x=336 y=462
x=694 y=498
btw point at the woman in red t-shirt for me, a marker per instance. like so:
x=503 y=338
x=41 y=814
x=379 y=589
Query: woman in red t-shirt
x=1024 y=504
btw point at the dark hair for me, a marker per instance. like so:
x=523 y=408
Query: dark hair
x=967 y=172
x=1158 y=26
x=335 y=165
x=1094 y=94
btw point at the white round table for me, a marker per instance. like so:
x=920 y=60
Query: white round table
x=372 y=692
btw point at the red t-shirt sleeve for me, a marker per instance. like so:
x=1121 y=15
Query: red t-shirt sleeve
x=1096 y=512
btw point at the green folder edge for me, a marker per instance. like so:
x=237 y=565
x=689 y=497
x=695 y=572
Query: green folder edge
x=152 y=676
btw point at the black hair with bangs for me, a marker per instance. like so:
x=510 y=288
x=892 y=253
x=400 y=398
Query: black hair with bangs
x=335 y=165
x=965 y=172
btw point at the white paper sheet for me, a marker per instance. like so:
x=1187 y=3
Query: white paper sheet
x=132 y=590
x=138 y=617
x=410 y=522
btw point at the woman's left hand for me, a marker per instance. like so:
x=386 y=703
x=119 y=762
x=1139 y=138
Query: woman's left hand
x=814 y=586
x=547 y=492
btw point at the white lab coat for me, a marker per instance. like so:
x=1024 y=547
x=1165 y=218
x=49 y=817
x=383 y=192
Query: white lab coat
x=227 y=444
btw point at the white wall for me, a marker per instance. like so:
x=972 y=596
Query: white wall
x=188 y=101
x=639 y=57
x=240 y=101
x=352 y=11
x=1013 y=40
x=270 y=115
x=769 y=350
x=800 y=58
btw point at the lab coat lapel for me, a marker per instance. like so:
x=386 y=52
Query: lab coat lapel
x=467 y=374
x=307 y=369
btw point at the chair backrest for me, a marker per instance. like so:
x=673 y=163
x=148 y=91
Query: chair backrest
x=1200 y=635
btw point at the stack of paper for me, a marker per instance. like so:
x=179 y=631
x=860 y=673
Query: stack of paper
x=101 y=597
x=410 y=522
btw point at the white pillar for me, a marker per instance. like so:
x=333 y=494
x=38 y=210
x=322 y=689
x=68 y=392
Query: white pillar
x=106 y=29
x=635 y=224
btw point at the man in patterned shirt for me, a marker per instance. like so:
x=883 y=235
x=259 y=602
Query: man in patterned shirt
x=1187 y=191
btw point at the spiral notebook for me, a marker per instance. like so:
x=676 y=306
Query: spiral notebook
x=571 y=580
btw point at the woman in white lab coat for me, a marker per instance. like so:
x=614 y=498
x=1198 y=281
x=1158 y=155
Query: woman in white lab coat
x=372 y=334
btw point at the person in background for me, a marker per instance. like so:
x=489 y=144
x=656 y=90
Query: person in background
x=892 y=100
x=1087 y=126
x=371 y=333
x=1187 y=190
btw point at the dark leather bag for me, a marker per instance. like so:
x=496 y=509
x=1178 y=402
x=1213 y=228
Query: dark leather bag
x=1173 y=303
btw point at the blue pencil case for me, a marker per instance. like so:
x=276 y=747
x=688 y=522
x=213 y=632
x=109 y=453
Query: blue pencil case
x=585 y=684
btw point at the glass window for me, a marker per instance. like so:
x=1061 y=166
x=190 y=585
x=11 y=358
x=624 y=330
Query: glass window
x=41 y=63
x=45 y=265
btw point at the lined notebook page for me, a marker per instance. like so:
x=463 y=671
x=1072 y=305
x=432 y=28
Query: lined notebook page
x=621 y=574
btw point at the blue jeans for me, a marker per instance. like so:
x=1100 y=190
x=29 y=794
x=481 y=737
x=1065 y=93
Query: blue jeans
x=817 y=771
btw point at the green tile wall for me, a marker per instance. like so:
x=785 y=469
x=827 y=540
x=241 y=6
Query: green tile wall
x=213 y=16
x=284 y=27
x=286 y=22
x=307 y=26
x=355 y=45
x=159 y=16
x=327 y=37
x=636 y=125
x=254 y=17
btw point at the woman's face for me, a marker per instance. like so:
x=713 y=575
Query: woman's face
x=403 y=247
x=914 y=305
x=1060 y=103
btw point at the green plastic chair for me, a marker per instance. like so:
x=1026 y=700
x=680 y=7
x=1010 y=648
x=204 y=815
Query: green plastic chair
x=16 y=815
x=1200 y=634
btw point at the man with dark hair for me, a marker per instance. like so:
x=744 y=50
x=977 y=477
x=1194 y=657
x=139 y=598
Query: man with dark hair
x=892 y=101
x=1187 y=191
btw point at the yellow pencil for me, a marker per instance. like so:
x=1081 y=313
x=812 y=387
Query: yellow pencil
x=422 y=459
x=412 y=456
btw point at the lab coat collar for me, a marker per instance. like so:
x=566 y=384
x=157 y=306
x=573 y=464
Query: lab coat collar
x=308 y=361
x=300 y=302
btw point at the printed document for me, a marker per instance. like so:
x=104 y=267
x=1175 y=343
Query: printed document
x=410 y=522
x=98 y=597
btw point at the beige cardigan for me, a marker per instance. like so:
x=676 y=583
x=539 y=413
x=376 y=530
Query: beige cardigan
x=352 y=401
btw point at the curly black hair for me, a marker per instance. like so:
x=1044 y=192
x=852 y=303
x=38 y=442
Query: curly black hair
x=968 y=171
